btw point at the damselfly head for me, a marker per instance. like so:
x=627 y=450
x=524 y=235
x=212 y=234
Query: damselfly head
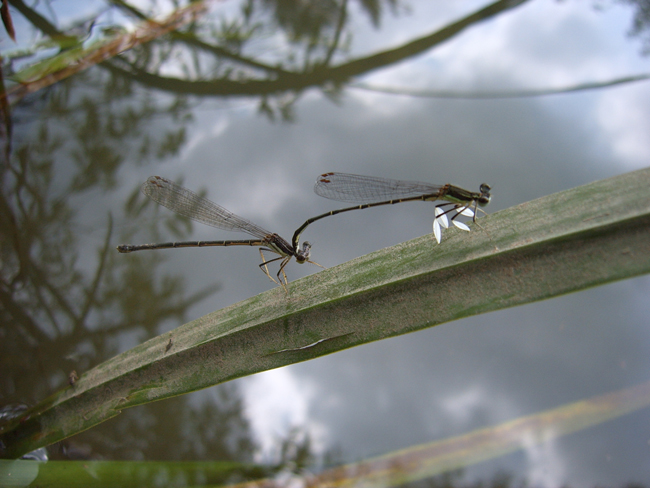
x=485 y=197
x=302 y=255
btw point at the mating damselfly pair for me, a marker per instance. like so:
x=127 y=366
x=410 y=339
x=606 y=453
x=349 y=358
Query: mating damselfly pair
x=365 y=191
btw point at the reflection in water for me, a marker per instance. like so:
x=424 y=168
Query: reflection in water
x=59 y=314
x=219 y=56
x=67 y=305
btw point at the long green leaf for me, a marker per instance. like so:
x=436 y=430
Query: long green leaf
x=579 y=238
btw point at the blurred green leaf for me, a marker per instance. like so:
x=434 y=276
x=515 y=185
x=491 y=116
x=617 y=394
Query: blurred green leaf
x=392 y=469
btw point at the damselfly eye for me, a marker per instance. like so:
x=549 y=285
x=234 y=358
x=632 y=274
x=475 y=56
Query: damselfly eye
x=303 y=254
x=484 y=199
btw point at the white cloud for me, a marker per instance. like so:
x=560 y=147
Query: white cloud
x=277 y=401
x=546 y=463
x=624 y=116
x=462 y=405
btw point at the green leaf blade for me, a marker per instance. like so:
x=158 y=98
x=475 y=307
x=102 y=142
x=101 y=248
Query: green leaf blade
x=569 y=241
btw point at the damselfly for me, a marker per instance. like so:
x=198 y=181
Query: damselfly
x=190 y=205
x=371 y=191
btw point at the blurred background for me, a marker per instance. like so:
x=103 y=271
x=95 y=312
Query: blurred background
x=246 y=102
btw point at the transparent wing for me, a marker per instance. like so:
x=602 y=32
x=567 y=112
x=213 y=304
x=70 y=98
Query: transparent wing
x=351 y=188
x=188 y=204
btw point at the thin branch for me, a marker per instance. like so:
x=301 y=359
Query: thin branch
x=596 y=85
